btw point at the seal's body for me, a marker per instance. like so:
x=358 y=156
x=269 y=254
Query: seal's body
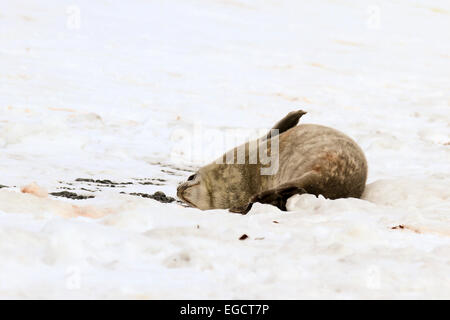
x=311 y=159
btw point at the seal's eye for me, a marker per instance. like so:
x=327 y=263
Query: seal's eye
x=192 y=177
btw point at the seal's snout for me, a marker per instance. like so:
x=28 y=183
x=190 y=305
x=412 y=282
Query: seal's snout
x=185 y=195
x=180 y=190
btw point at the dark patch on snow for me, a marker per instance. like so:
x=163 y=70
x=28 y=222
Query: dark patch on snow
x=158 y=196
x=172 y=173
x=134 y=186
x=400 y=226
x=113 y=184
x=243 y=237
x=152 y=179
x=71 y=195
x=165 y=165
x=68 y=183
x=102 y=182
x=2 y=186
x=84 y=189
x=151 y=183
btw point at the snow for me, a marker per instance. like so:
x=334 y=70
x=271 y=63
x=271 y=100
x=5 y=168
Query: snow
x=155 y=89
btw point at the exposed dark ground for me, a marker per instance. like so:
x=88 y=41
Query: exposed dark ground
x=86 y=188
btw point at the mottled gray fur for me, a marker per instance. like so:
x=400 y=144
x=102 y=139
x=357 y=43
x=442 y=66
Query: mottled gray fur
x=312 y=159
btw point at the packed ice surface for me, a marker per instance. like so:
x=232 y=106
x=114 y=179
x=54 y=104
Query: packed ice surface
x=141 y=93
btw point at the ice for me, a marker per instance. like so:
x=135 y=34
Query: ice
x=140 y=94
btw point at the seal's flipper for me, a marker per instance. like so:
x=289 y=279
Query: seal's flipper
x=279 y=195
x=287 y=122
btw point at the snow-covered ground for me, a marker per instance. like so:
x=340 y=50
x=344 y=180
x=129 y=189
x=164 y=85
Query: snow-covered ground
x=141 y=93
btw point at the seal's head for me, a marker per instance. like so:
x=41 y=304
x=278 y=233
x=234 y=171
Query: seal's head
x=194 y=192
x=214 y=186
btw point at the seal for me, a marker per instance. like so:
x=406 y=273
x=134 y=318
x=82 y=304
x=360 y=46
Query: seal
x=306 y=158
